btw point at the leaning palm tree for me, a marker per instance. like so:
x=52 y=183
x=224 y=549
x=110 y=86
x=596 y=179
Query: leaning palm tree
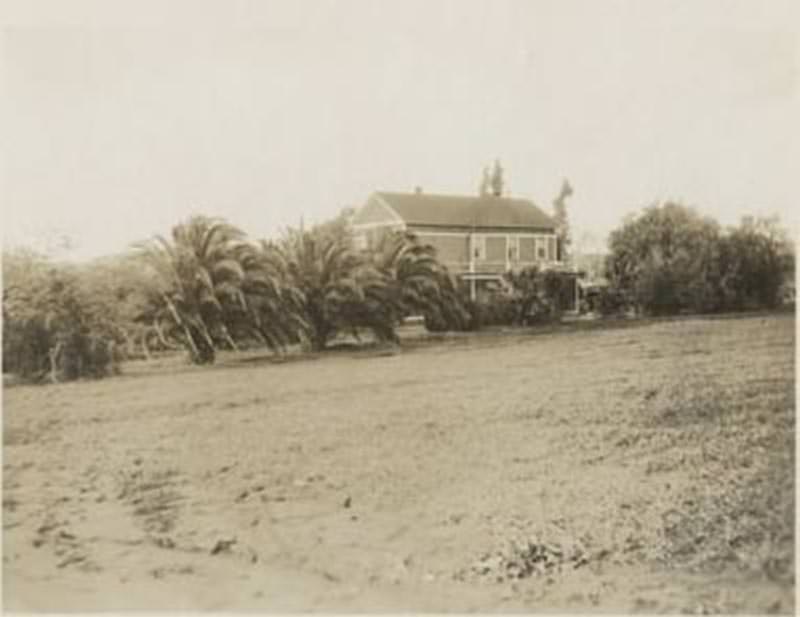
x=196 y=275
x=270 y=308
x=413 y=269
x=421 y=284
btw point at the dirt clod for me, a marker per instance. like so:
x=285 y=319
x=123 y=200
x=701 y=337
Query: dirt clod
x=223 y=546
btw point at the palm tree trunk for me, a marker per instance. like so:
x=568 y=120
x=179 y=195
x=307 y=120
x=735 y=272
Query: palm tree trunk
x=229 y=338
x=145 y=348
x=161 y=337
x=130 y=344
x=261 y=338
x=319 y=340
x=194 y=348
x=176 y=316
x=54 y=354
x=206 y=335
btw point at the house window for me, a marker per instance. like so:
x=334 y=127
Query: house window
x=541 y=248
x=513 y=248
x=527 y=249
x=479 y=247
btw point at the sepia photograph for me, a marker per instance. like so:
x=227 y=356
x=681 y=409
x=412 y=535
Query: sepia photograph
x=399 y=306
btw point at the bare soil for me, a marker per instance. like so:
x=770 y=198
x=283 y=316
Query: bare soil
x=639 y=469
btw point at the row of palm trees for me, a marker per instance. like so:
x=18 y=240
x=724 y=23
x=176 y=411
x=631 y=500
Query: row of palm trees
x=215 y=288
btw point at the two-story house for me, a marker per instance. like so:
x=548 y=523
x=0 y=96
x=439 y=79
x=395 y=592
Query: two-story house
x=478 y=238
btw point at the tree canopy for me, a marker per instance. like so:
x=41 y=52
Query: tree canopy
x=670 y=259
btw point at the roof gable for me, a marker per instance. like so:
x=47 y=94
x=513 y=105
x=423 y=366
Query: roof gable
x=376 y=212
x=466 y=211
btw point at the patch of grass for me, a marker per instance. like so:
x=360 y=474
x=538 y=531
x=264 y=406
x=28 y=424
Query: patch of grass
x=740 y=509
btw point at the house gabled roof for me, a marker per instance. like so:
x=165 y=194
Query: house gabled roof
x=466 y=211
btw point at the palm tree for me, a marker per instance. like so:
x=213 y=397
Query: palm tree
x=421 y=284
x=412 y=268
x=272 y=311
x=340 y=289
x=197 y=274
x=450 y=311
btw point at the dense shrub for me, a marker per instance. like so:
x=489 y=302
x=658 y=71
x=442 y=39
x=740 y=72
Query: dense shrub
x=532 y=296
x=609 y=301
x=26 y=343
x=120 y=288
x=86 y=354
x=503 y=311
x=540 y=295
x=494 y=310
x=471 y=315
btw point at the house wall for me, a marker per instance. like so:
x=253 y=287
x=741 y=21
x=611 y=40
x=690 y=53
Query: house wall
x=462 y=250
x=452 y=250
x=492 y=252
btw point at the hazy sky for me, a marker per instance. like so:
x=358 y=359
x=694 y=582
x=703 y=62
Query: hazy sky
x=124 y=118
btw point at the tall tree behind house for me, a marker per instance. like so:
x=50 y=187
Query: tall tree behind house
x=562 y=222
x=496 y=181
x=485 y=182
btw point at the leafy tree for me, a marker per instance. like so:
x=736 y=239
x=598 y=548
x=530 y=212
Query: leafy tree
x=756 y=260
x=49 y=325
x=670 y=259
x=119 y=292
x=661 y=256
x=29 y=311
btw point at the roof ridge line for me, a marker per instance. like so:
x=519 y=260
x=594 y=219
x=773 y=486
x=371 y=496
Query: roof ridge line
x=455 y=195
